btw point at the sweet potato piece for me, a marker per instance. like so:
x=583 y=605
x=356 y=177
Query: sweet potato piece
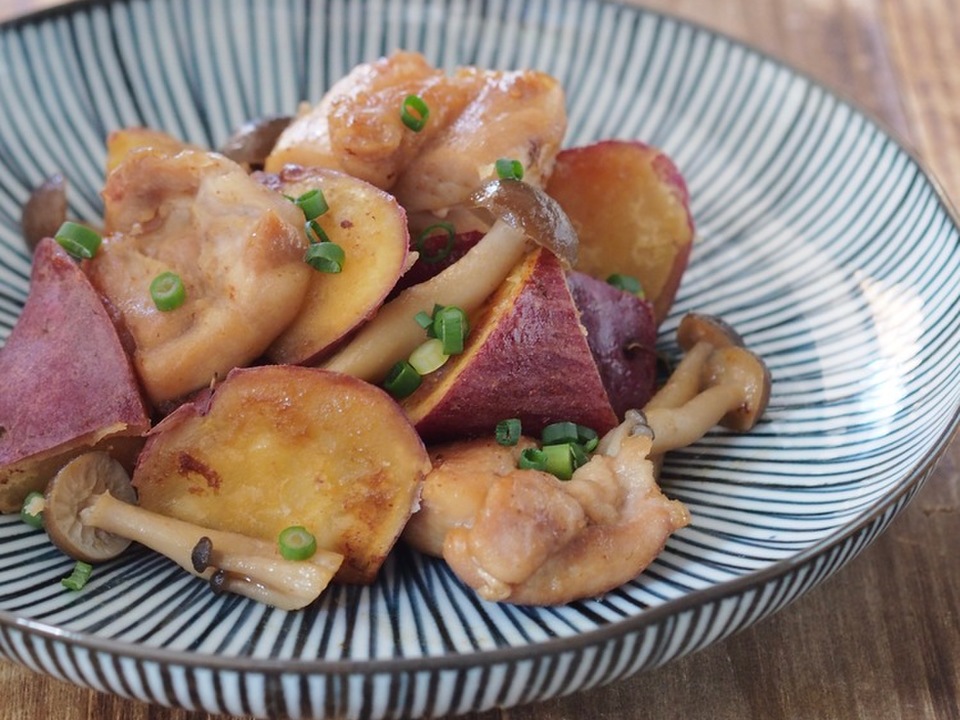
x=125 y=141
x=282 y=445
x=68 y=386
x=526 y=357
x=631 y=209
x=372 y=230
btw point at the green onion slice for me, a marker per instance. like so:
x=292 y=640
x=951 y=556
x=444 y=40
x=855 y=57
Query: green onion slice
x=587 y=437
x=32 y=509
x=402 y=380
x=559 y=433
x=627 y=283
x=559 y=460
x=79 y=577
x=450 y=324
x=315 y=232
x=296 y=543
x=532 y=459
x=312 y=203
x=325 y=257
x=167 y=291
x=428 y=356
x=580 y=455
x=509 y=169
x=420 y=245
x=508 y=431
x=414 y=112
x=78 y=240
x=425 y=320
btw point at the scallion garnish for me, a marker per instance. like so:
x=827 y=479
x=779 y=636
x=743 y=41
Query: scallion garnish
x=558 y=433
x=79 y=577
x=587 y=437
x=315 y=232
x=509 y=169
x=296 y=543
x=420 y=245
x=559 y=460
x=32 y=509
x=627 y=283
x=402 y=380
x=78 y=240
x=424 y=320
x=508 y=431
x=532 y=459
x=312 y=203
x=325 y=257
x=428 y=356
x=414 y=112
x=167 y=291
x=451 y=326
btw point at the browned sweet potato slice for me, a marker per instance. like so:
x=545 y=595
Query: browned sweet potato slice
x=282 y=445
x=67 y=384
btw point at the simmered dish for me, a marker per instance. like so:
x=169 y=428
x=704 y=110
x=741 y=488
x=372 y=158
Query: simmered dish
x=404 y=314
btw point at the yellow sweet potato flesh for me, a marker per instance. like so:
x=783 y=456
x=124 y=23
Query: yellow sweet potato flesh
x=278 y=446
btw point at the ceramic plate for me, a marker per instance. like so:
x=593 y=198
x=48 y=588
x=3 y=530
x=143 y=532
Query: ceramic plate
x=820 y=239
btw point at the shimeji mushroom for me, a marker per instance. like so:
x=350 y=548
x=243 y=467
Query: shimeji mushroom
x=89 y=514
x=718 y=381
x=523 y=214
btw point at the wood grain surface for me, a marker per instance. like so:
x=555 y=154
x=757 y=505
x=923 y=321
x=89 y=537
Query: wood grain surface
x=881 y=639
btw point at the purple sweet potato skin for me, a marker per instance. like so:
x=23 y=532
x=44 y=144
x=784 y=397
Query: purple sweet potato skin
x=621 y=333
x=65 y=373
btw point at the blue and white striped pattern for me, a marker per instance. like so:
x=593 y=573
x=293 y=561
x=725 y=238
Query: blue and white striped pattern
x=821 y=240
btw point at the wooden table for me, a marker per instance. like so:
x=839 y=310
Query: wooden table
x=880 y=640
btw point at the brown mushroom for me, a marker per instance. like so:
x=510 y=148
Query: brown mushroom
x=45 y=211
x=85 y=519
x=526 y=214
x=253 y=141
x=718 y=382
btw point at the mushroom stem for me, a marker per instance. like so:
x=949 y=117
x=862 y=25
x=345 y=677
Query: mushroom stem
x=678 y=426
x=393 y=334
x=254 y=567
x=684 y=382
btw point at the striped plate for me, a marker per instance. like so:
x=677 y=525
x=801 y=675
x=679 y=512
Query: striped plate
x=821 y=240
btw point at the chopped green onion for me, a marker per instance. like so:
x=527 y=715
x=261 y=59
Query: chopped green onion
x=508 y=431
x=296 y=543
x=509 y=169
x=559 y=433
x=428 y=357
x=79 y=577
x=532 y=459
x=167 y=291
x=627 y=283
x=315 y=232
x=32 y=509
x=312 y=203
x=420 y=245
x=450 y=324
x=559 y=460
x=402 y=380
x=414 y=112
x=424 y=320
x=325 y=257
x=587 y=437
x=78 y=240
x=580 y=455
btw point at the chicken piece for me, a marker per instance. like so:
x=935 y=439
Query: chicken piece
x=517 y=115
x=475 y=118
x=237 y=246
x=356 y=127
x=526 y=537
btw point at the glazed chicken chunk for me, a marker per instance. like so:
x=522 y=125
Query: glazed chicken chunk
x=237 y=247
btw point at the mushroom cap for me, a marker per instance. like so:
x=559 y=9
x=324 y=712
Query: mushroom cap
x=44 y=211
x=72 y=489
x=534 y=213
x=746 y=371
x=253 y=141
x=699 y=327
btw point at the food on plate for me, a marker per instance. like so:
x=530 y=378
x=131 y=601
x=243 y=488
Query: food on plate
x=68 y=385
x=526 y=343
x=279 y=446
x=411 y=260
x=236 y=246
x=631 y=210
x=45 y=211
x=524 y=536
x=622 y=334
x=370 y=226
x=90 y=513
